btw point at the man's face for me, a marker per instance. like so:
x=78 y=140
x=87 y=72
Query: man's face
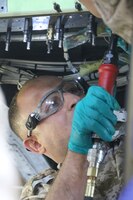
x=53 y=132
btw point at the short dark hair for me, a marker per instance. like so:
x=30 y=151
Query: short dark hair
x=14 y=116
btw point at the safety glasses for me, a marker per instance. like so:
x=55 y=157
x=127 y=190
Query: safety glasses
x=52 y=102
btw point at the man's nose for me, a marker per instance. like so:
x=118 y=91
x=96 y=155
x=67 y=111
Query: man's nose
x=70 y=100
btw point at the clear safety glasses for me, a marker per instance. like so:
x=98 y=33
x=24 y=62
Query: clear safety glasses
x=52 y=102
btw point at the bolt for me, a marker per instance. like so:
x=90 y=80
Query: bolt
x=78 y=6
x=57 y=7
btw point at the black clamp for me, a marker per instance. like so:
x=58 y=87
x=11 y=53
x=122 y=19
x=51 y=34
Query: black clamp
x=31 y=123
x=78 y=6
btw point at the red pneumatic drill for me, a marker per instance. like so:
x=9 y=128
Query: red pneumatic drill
x=107 y=77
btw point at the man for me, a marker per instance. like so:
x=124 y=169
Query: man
x=46 y=105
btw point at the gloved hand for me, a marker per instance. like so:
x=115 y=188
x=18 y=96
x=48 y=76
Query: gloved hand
x=93 y=114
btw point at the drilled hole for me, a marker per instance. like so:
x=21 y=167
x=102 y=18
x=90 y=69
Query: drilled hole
x=2 y=7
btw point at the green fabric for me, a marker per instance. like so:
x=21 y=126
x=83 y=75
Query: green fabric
x=94 y=113
x=121 y=43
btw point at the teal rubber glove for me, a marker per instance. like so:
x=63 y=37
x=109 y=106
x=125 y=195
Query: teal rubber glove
x=93 y=114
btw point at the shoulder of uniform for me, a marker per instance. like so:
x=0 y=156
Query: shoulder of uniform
x=38 y=186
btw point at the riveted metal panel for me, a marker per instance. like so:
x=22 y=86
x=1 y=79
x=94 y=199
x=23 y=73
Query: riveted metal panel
x=41 y=22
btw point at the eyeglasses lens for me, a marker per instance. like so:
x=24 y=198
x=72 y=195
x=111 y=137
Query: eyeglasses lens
x=73 y=88
x=51 y=104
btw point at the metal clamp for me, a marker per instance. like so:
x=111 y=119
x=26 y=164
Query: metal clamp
x=121 y=115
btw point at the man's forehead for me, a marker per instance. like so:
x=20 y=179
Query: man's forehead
x=34 y=91
x=43 y=82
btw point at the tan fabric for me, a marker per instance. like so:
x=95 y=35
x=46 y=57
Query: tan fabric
x=36 y=188
x=118 y=16
x=109 y=180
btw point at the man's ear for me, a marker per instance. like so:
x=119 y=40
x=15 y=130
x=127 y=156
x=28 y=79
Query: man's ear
x=33 y=145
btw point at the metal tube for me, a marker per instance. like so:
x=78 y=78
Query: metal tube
x=8 y=35
x=35 y=37
x=19 y=38
x=29 y=33
x=26 y=29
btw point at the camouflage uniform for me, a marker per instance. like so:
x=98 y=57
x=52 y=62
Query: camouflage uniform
x=109 y=180
x=38 y=186
x=118 y=16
